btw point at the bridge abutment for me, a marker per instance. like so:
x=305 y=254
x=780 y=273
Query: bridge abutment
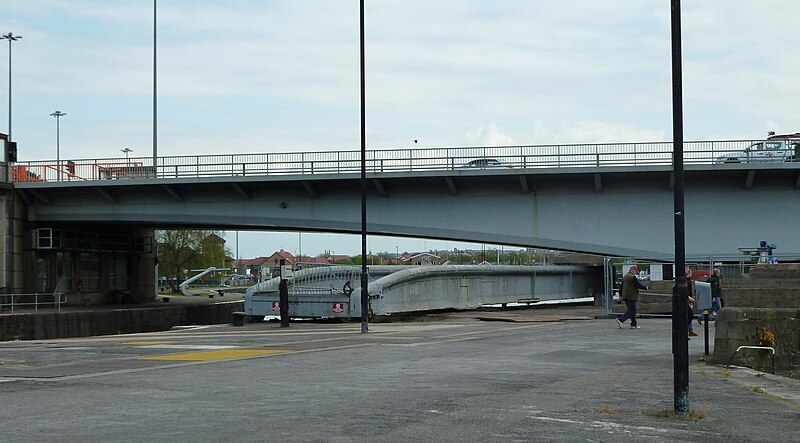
x=11 y=229
x=107 y=264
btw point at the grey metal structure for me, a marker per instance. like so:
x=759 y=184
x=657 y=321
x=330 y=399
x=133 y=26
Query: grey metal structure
x=610 y=210
x=320 y=292
x=428 y=288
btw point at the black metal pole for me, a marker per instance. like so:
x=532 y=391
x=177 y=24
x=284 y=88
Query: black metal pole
x=364 y=289
x=705 y=330
x=283 y=294
x=155 y=95
x=680 y=325
x=10 y=39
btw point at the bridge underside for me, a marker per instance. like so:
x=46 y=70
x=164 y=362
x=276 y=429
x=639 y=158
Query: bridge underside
x=608 y=211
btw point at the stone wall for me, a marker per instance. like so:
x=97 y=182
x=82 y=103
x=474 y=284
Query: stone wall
x=114 y=321
x=743 y=326
x=765 y=286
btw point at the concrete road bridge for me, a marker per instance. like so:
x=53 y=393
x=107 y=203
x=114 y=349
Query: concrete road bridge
x=609 y=199
x=613 y=199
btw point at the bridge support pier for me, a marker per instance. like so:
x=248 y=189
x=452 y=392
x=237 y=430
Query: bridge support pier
x=11 y=230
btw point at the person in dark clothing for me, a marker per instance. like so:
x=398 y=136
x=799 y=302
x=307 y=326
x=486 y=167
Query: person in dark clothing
x=630 y=294
x=690 y=294
x=716 y=293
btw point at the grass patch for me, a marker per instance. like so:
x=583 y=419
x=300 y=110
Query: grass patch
x=692 y=415
x=700 y=372
x=761 y=374
x=724 y=373
x=609 y=410
x=757 y=389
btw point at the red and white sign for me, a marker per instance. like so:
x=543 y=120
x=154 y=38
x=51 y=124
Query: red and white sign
x=276 y=306
x=338 y=307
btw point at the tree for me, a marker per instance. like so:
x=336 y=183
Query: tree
x=184 y=249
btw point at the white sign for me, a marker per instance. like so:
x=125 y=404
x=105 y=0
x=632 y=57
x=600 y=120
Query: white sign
x=656 y=272
x=286 y=272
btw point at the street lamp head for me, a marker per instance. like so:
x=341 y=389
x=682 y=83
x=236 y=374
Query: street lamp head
x=11 y=36
x=58 y=114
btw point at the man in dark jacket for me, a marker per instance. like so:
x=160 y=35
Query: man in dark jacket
x=630 y=293
x=716 y=293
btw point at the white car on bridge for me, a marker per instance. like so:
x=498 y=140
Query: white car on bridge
x=776 y=148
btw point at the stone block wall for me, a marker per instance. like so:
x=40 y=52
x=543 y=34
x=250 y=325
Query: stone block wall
x=766 y=297
x=112 y=321
x=744 y=326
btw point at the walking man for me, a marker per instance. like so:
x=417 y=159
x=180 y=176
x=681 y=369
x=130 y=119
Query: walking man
x=716 y=293
x=630 y=294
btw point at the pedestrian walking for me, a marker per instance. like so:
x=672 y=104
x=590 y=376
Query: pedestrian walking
x=630 y=294
x=690 y=295
x=716 y=293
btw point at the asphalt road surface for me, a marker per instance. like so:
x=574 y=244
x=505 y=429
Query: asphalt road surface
x=552 y=375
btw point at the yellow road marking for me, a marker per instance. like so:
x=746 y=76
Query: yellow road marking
x=145 y=343
x=217 y=355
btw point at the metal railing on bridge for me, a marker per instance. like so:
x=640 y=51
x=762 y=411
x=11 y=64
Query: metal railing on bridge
x=398 y=160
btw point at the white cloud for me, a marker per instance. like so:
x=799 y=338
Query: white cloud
x=283 y=74
x=488 y=135
x=593 y=132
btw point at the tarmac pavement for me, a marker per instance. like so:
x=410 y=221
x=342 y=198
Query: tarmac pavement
x=547 y=375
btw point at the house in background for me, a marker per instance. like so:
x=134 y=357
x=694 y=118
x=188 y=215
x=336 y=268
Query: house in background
x=253 y=266
x=422 y=259
x=274 y=260
x=339 y=259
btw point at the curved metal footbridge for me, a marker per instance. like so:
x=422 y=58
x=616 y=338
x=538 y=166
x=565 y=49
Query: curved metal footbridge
x=321 y=291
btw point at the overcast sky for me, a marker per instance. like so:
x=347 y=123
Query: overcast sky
x=278 y=76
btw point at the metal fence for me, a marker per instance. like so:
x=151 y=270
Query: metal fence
x=733 y=269
x=319 y=280
x=391 y=160
x=36 y=299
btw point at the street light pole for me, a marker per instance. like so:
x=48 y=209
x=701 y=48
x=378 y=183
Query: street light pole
x=364 y=281
x=126 y=151
x=58 y=115
x=9 y=234
x=680 y=317
x=155 y=98
x=11 y=38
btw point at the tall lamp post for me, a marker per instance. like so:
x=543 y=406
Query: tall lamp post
x=11 y=38
x=8 y=278
x=680 y=317
x=364 y=281
x=155 y=98
x=127 y=151
x=58 y=115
